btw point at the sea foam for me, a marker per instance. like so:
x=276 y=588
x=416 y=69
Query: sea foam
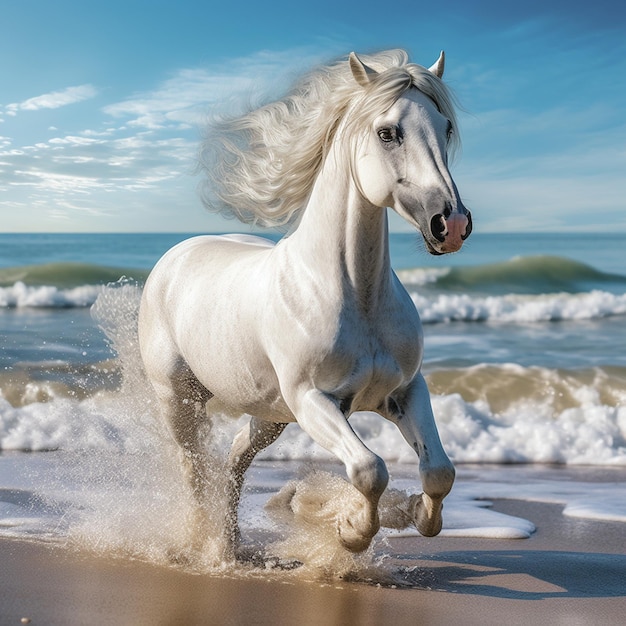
x=527 y=431
x=433 y=308
x=518 y=308
x=21 y=295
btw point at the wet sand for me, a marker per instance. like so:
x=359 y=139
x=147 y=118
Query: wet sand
x=570 y=571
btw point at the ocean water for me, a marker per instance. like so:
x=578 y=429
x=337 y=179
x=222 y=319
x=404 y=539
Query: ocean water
x=525 y=355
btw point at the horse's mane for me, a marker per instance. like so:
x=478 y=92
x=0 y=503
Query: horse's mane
x=261 y=166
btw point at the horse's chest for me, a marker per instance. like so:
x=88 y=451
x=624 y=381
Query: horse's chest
x=367 y=362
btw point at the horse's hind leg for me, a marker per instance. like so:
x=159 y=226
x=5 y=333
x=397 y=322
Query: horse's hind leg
x=250 y=440
x=183 y=403
x=188 y=420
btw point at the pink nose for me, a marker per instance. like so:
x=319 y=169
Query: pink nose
x=457 y=227
x=451 y=231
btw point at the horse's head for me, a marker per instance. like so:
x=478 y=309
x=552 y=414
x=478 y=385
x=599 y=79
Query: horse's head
x=402 y=158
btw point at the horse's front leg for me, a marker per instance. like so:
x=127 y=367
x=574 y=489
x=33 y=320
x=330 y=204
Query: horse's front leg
x=319 y=415
x=412 y=412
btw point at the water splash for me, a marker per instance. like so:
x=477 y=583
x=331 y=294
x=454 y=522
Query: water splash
x=133 y=499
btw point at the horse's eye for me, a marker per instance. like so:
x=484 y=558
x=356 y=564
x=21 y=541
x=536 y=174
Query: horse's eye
x=386 y=135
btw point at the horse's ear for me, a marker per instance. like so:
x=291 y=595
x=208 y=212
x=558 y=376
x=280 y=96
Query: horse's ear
x=437 y=68
x=362 y=74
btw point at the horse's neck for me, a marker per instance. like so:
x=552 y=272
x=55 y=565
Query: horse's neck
x=344 y=237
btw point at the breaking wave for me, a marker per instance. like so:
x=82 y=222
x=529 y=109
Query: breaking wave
x=541 y=274
x=525 y=289
x=486 y=413
x=58 y=285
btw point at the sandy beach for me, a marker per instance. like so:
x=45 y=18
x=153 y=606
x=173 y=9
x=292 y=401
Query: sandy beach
x=571 y=571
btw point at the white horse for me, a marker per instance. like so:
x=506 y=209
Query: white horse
x=318 y=326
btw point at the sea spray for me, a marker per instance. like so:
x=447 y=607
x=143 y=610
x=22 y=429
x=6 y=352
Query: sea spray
x=133 y=498
x=308 y=510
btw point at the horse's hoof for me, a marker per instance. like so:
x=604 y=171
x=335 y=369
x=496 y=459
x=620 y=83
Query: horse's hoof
x=351 y=539
x=427 y=525
x=355 y=544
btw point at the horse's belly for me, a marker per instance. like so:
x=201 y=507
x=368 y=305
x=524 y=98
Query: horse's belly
x=232 y=365
x=372 y=395
x=245 y=385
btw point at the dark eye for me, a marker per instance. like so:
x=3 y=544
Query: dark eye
x=387 y=135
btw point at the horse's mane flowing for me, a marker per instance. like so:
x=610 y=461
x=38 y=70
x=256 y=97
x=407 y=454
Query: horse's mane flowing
x=261 y=166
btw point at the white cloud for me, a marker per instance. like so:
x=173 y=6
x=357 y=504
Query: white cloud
x=185 y=99
x=180 y=101
x=74 y=141
x=54 y=99
x=135 y=172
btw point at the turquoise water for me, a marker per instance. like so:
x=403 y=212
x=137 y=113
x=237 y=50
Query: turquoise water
x=606 y=253
x=542 y=299
x=516 y=327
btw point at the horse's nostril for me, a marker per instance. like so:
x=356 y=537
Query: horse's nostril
x=438 y=227
x=468 y=228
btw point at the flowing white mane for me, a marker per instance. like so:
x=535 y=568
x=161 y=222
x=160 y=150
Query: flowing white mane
x=261 y=166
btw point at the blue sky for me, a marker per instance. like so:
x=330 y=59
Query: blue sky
x=101 y=104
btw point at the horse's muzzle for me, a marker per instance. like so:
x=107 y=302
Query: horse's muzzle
x=450 y=229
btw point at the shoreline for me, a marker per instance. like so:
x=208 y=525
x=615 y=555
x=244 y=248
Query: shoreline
x=569 y=571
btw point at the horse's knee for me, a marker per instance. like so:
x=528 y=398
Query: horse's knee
x=369 y=476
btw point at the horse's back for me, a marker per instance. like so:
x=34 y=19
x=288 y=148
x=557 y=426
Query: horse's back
x=198 y=275
x=200 y=258
x=213 y=248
